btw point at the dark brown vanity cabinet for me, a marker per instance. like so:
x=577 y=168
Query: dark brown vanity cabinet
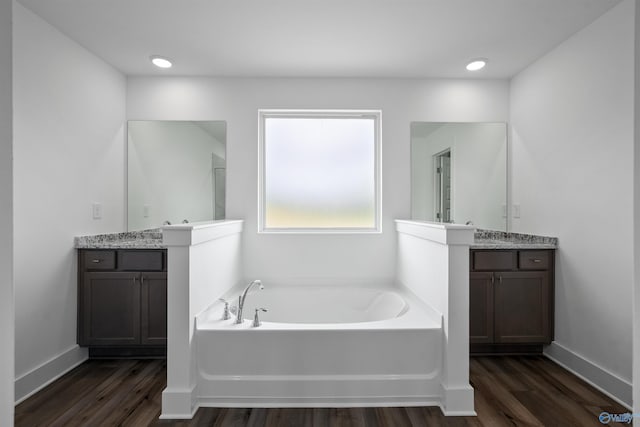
x=122 y=301
x=510 y=300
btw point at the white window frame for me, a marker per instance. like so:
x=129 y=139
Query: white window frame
x=376 y=115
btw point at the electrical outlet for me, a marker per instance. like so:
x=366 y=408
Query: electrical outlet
x=146 y=211
x=97 y=210
x=516 y=211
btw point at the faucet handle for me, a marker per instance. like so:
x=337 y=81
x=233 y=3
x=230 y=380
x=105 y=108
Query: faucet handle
x=256 y=319
x=225 y=314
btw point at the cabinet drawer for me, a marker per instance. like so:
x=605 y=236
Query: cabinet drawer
x=99 y=260
x=534 y=260
x=140 y=260
x=493 y=260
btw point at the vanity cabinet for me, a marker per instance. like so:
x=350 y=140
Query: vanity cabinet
x=122 y=302
x=510 y=300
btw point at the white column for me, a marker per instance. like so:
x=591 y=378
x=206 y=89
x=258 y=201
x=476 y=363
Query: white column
x=433 y=261
x=204 y=261
x=458 y=394
x=7 y=320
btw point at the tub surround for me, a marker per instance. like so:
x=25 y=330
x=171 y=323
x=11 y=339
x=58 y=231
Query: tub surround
x=144 y=239
x=328 y=366
x=491 y=239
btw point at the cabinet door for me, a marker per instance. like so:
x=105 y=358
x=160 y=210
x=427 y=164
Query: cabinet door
x=522 y=307
x=154 y=308
x=480 y=308
x=111 y=309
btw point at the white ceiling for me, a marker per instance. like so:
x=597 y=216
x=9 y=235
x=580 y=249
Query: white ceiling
x=320 y=38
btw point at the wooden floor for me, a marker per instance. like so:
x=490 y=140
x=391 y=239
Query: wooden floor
x=509 y=391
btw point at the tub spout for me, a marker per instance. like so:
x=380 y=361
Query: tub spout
x=242 y=298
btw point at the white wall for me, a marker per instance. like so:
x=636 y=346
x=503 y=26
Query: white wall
x=170 y=170
x=69 y=117
x=6 y=217
x=572 y=174
x=292 y=258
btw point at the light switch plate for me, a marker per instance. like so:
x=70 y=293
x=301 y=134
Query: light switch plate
x=97 y=210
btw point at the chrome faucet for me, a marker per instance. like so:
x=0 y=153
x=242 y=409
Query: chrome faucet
x=242 y=297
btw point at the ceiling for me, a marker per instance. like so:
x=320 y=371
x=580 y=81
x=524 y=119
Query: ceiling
x=320 y=38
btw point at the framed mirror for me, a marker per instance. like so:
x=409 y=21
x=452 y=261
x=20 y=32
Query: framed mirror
x=176 y=172
x=459 y=173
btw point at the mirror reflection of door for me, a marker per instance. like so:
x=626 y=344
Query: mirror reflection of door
x=219 y=197
x=442 y=181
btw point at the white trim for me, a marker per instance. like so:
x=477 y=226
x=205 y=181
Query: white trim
x=457 y=401
x=376 y=115
x=443 y=233
x=321 y=378
x=608 y=383
x=333 y=402
x=319 y=391
x=178 y=404
x=38 y=378
x=199 y=232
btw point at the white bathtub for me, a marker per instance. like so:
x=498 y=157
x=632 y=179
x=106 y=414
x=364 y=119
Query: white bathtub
x=324 y=305
x=321 y=347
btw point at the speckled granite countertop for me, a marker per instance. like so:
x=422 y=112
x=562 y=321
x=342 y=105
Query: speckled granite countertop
x=145 y=239
x=152 y=239
x=489 y=239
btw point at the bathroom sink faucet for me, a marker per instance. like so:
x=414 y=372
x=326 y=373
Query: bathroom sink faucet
x=242 y=297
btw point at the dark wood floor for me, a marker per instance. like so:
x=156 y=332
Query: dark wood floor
x=509 y=391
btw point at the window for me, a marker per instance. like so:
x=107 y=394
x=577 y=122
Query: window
x=319 y=171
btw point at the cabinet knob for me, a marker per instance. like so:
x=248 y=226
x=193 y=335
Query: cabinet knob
x=535 y=260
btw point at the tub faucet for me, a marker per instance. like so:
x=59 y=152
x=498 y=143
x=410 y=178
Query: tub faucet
x=242 y=297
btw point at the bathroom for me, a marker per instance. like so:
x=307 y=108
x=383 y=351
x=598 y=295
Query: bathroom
x=555 y=175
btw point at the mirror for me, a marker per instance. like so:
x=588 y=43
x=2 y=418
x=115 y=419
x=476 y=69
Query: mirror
x=459 y=173
x=176 y=172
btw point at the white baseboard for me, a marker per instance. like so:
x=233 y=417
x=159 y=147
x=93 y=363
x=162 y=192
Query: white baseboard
x=610 y=384
x=41 y=376
x=457 y=401
x=178 y=404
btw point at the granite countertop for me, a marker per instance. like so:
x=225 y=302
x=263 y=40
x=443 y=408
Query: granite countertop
x=152 y=239
x=145 y=239
x=489 y=239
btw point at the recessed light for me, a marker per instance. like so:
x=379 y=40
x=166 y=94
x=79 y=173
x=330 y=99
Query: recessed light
x=160 y=61
x=476 y=64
